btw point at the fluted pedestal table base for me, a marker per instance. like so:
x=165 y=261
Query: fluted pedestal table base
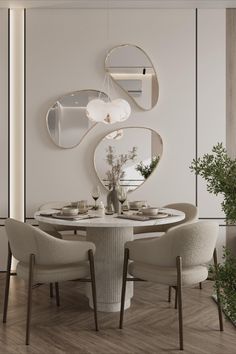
x=109 y=258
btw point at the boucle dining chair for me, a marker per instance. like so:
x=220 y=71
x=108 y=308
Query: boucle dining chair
x=45 y=259
x=176 y=259
x=191 y=215
x=59 y=230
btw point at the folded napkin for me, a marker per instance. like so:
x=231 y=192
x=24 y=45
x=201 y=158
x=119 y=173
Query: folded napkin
x=133 y=217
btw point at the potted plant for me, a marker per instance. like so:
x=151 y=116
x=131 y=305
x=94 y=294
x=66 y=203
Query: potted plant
x=219 y=172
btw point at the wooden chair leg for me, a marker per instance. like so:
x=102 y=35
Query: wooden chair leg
x=7 y=286
x=93 y=284
x=123 y=291
x=200 y=285
x=29 y=302
x=51 y=290
x=176 y=298
x=169 y=294
x=57 y=294
x=179 y=290
x=218 y=294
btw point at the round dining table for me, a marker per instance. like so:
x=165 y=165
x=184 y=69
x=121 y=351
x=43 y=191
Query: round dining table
x=109 y=233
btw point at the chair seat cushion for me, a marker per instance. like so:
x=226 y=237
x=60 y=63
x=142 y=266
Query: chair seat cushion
x=50 y=274
x=168 y=276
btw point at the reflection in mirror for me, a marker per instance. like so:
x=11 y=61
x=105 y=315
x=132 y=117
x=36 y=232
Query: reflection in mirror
x=67 y=122
x=131 y=68
x=127 y=156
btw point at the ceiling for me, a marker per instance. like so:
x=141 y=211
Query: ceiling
x=118 y=4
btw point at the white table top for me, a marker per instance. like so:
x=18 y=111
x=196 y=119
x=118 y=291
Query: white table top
x=111 y=220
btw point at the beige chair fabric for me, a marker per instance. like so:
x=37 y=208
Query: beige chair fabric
x=155 y=259
x=191 y=215
x=176 y=259
x=55 y=259
x=59 y=230
x=46 y=259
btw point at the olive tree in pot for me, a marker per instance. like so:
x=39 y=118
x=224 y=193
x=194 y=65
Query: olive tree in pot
x=219 y=172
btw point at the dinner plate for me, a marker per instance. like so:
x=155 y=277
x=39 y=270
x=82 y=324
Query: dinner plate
x=158 y=216
x=69 y=217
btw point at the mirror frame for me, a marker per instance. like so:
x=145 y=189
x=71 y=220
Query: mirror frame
x=107 y=71
x=83 y=136
x=120 y=128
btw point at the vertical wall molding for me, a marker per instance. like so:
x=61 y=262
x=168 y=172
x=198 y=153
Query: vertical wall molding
x=25 y=98
x=230 y=102
x=8 y=108
x=17 y=114
x=231 y=81
x=196 y=102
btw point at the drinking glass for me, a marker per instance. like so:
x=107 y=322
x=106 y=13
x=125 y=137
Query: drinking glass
x=83 y=206
x=96 y=194
x=122 y=195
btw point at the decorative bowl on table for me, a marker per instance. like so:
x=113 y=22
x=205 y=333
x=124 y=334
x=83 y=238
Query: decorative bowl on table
x=69 y=211
x=149 y=211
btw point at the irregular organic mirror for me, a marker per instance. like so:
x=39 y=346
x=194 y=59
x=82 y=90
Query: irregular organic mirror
x=131 y=69
x=128 y=156
x=67 y=122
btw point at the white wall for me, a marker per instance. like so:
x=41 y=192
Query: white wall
x=65 y=52
x=211 y=96
x=3 y=113
x=3 y=132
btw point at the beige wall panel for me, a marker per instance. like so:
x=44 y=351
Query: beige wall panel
x=230 y=102
x=3 y=132
x=65 y=52
x=3 y=113
x=211 y=96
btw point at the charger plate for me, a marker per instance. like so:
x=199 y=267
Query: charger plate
x=153 y=217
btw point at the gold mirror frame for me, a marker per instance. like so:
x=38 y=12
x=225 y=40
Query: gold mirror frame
x=119 y=130
x=154 y=102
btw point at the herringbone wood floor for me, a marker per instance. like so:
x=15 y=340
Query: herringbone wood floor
x=150 y=324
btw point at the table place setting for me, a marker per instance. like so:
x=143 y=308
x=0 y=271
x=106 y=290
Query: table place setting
x=79 y=210
x=146 y=213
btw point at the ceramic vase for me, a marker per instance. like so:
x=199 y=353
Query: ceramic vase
x=112 y=200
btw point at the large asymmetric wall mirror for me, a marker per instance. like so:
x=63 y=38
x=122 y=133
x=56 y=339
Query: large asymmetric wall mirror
x=67 y=122
x=127 y=156
x=131 y=69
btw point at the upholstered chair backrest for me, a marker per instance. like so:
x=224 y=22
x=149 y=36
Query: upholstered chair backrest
x=194 y=242
x=25 y=239
x=190 y=210
x=51 y=229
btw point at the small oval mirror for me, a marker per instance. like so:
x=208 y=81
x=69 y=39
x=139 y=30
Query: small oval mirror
x=131 y=68
x=127 y=156
x=67 y=122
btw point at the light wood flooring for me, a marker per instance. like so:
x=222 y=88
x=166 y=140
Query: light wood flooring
x=150 y=325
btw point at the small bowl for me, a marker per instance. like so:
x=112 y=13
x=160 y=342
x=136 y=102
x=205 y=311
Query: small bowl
x=69 y=211
x=152 y=211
